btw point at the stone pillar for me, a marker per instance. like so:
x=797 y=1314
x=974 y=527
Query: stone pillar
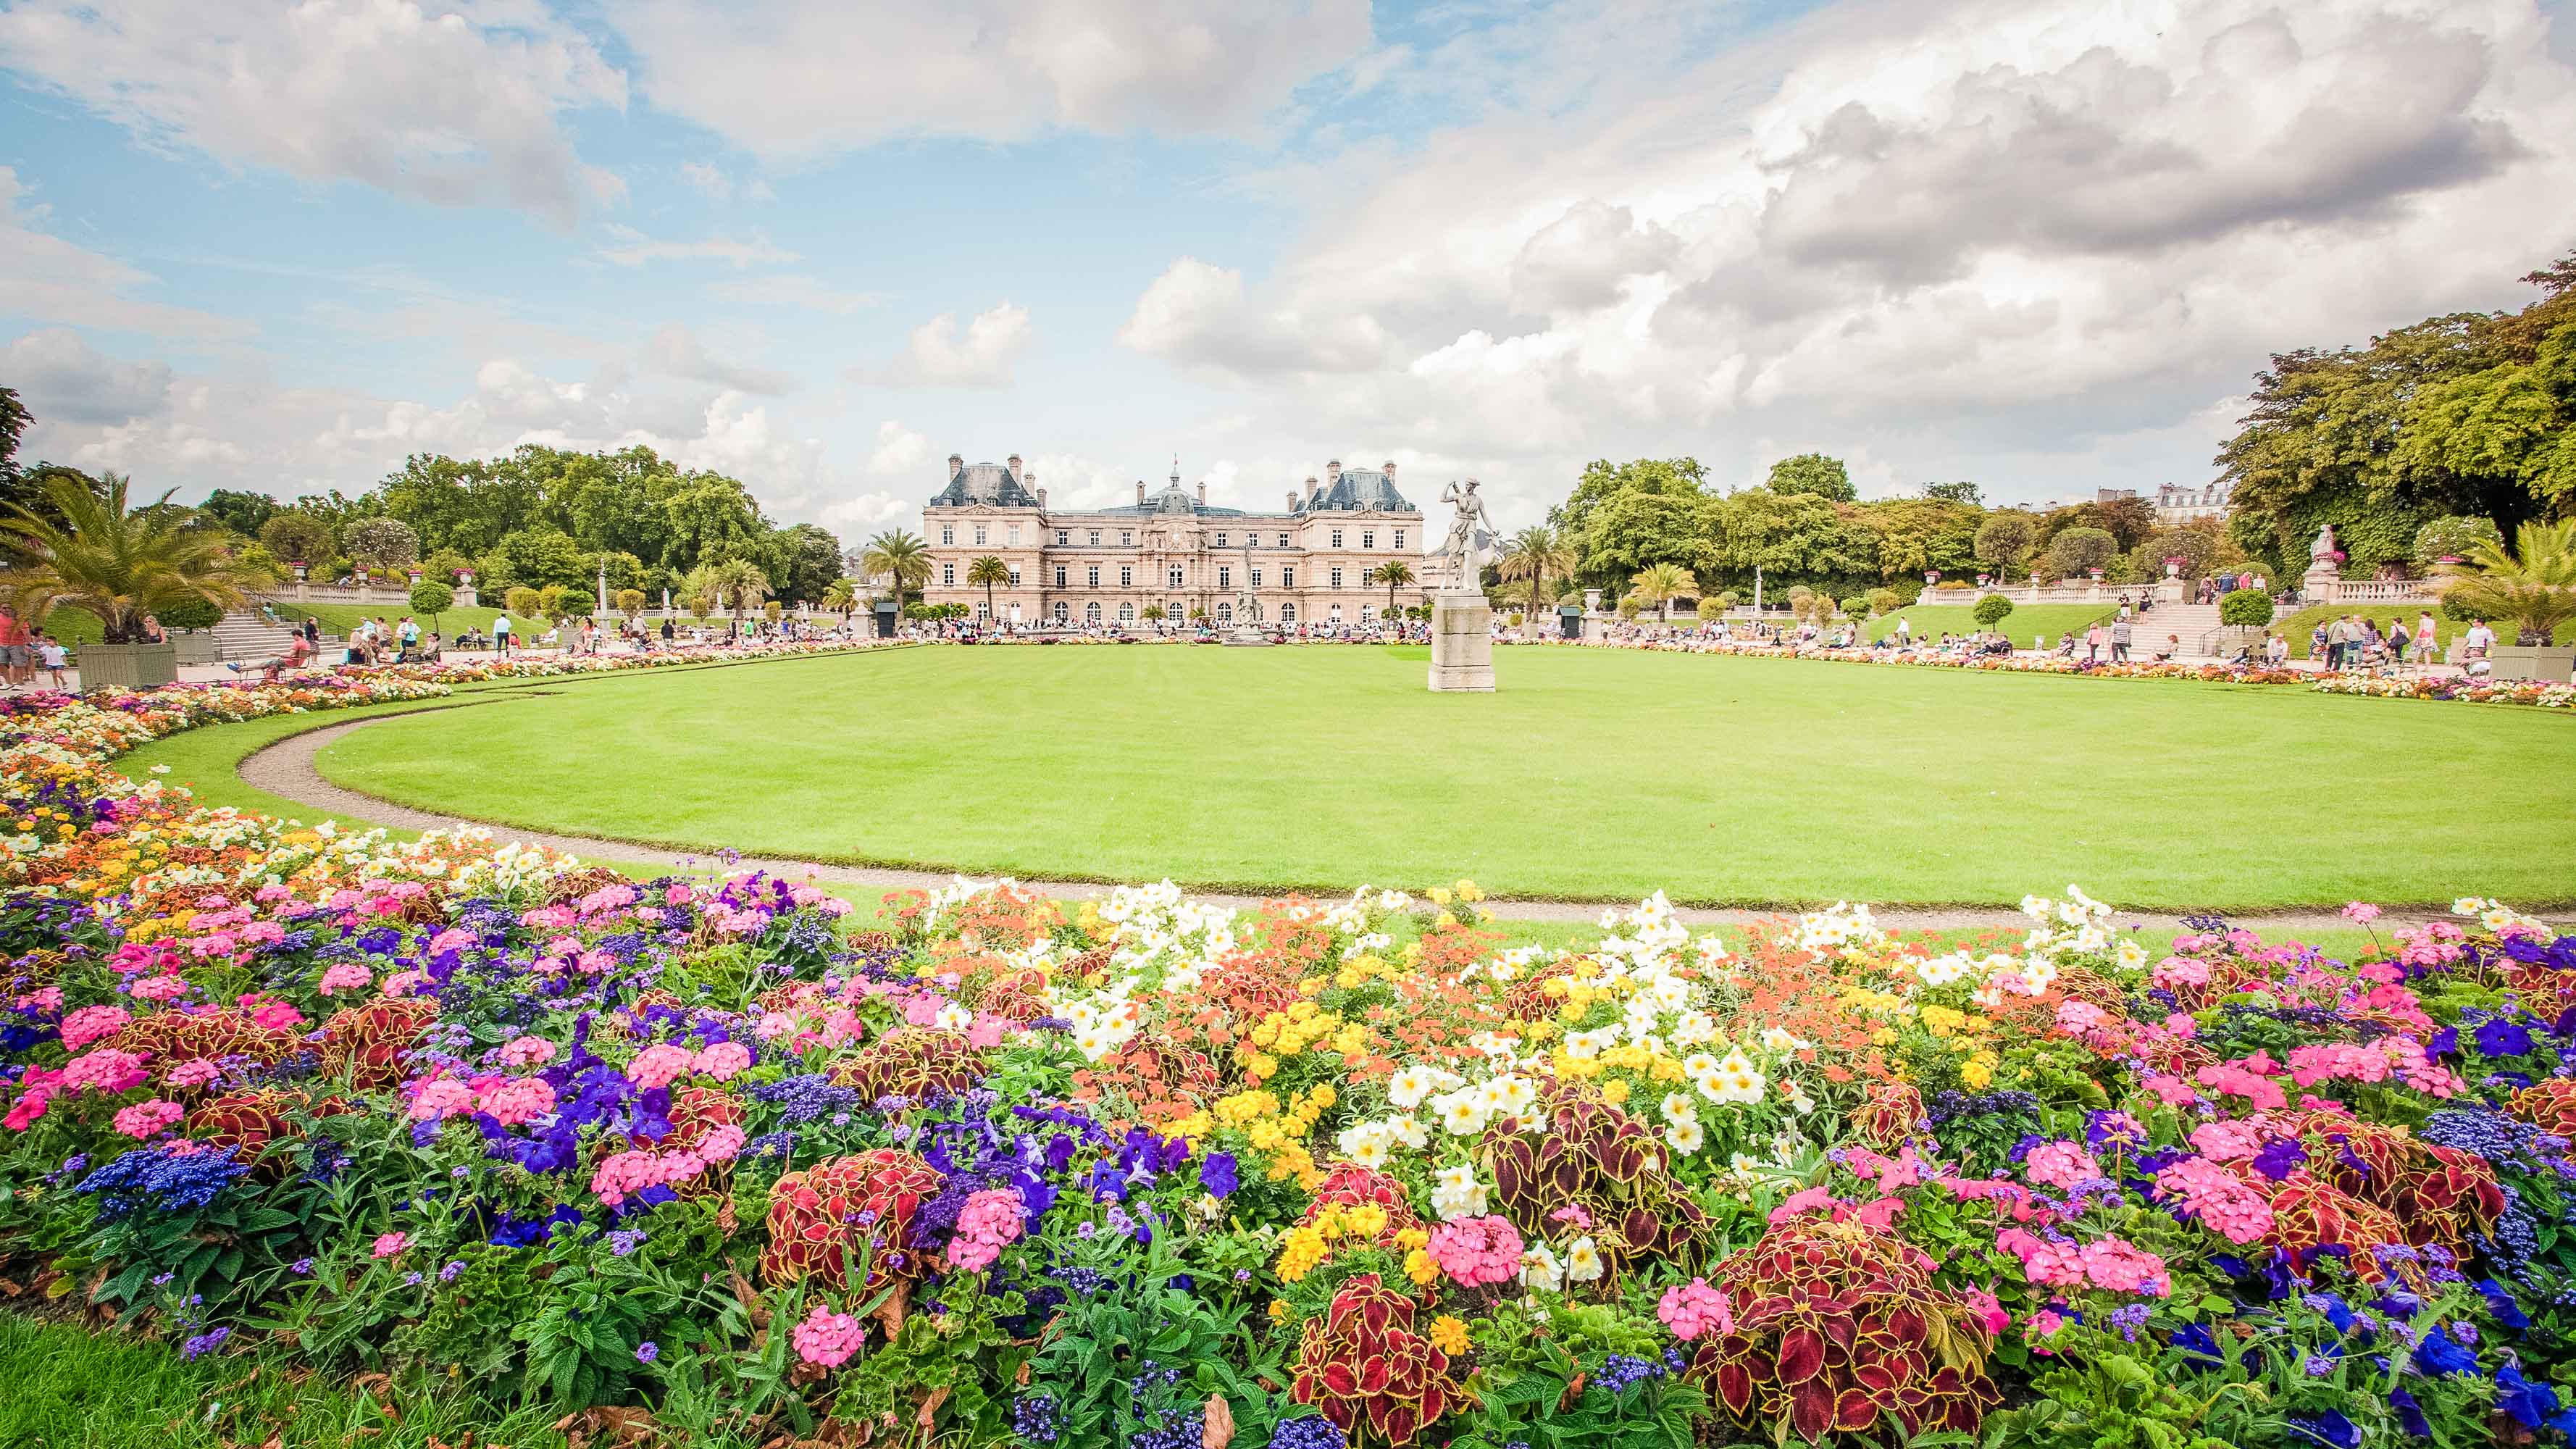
x=1462 y=643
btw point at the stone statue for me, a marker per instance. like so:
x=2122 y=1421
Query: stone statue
x=1461 y=557
x=2325 y=546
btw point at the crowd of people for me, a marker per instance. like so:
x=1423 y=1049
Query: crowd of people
x=2355 y=643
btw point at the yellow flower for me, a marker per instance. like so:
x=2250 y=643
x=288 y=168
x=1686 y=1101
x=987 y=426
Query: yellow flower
x=1301 y=1251
x=1260 y=1066
x=1449 y=1334
x=1323 y=1097
x=1419 y=1267
x=1440 y=895
x=1470 y=892
x=1614 y=1092
x=1278 y=1311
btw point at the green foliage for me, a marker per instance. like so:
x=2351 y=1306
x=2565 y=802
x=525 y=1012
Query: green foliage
x=241 y=512
x=1814 y=473
x=900 y=557
x=197 y=613
x=1991 y=610
x=380 y=545
x=2452 y=536
x=1960 y=492
x=2080 y=549
x=1883 y=600
x=431 y=597
x=1856 y=607
x=91 y=550
x=2003 y=540
x=522 y=601
x=2534 y=585
x=1603 y=480
x=299 y=537
x=1639 y=529
x=2245 y=608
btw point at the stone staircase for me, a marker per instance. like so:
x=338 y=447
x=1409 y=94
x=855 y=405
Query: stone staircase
x=246 y=634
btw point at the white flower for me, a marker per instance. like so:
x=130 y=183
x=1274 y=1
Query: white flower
x=1457 y=1194
x=1776 y=1040
x=1685 y=1137
x=1583 y=1261
x=2496 y=918
x=1678 y=1108
x=2035 y=907
x=2132 y=956
x=1695 y=1028
x=1461 y=1113
x=953 y=1017
x=1407 y=1088
x=2467 y=906
x=1518 y=1094
x=1799 y=1101
x=1409 y=1130
x=1540 y=1269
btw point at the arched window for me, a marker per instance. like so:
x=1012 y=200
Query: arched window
x=1063 y=612
x=1224 y=612
x=1091 y=613
x=1126 y=613
x=1287 y=613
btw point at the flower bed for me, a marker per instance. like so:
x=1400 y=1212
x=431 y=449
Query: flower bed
x=1156 y=1172
x=2524 y=692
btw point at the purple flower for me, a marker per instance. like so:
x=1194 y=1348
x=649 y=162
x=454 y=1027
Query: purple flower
x=1218 y=1174
x=647 y=1351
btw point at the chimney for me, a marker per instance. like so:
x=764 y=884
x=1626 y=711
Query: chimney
x=1292 y=500
x=954 y=463
x=1310 y=487
x=1140 y=492
x=1333 y=471
x=1041 y=498
x=1015 y=467
x=1202 y=493
x=1389 y=470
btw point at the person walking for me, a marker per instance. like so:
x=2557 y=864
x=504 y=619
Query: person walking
x=53 y=656
x=2398 y=641
x=2426 y=645
x=501 y=634
x=2120 y=638
x=2093 y=642
x=14 y=669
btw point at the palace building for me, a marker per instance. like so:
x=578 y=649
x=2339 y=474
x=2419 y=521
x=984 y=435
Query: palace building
x=1309 y=564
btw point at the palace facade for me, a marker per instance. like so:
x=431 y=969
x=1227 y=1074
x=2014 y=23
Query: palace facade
x=1307 y=565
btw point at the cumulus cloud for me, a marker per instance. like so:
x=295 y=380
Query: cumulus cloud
x=49 y=279
x=937 y=355
x=899 y=450
x=791 y=289
x=61 y=377
x=455 y=109
x=1927 y=232
x=676 y=351
x=801 y=77
x=631 y=248
x=713 y=180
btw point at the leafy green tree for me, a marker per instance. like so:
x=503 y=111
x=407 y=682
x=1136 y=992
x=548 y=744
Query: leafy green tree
x=1814 y=473
x=14 y=419
x=2534 y=584
x=432 y=597
x=241 y=512
x=1991 y=610
x=2452 y=536
x=2081 y=549
x=1638 y=529
x=1603 y=480
x=802 y=561
x=1961 y=492
x=1918 y=534
x=298 y=537
x=537 y=557
x=380 y=545
x=711 y=521
x=1789 y=536
x=2003 y=540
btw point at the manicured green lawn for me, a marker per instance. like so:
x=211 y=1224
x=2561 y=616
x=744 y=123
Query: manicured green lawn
x=1592 y=774
x=2022 y=624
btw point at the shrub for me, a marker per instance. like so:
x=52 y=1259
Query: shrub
x=1855 y=606
x=431 y=597
x=522 y=601
x=1882 y=601
x=2080 y=550
x=2453 y=536
x=2245 y=608
x=297 y=537
x=629 y=601
x=1992 y=610
x=191 y=613
x=1710 y=609
x=551 y=600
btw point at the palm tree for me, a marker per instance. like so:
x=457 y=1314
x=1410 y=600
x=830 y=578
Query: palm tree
x=1153 y=615
x=988 y=571
x=1657 y=585
x=1395 y=574
x=900 y=556
x=1533 y=554
x=741 y=581
x=2535 y=585
x=842 y=597
x=117 y=563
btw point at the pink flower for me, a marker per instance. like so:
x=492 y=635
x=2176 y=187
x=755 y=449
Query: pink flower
x=1694 y=1308
x=2060 y=1165
x=1988 y=1308
x=93 y=1023
x=527 y=1051
x=146 y=1120
x=826 y=1338
x=105 y=1069
x=192 y=1074
x=440 y=1098
x=723 y=1143
x=345 y=976
x=519 y=1099
x=989 y=1220
x=1477 y=1251
x=724 y=1061
x=659 y=1065
x=2222 y=1202
x=2227 y=1141
x=2361 y=911
x=159 y=988
x=678 y=895
x=391 y=1245
x=270 y=1012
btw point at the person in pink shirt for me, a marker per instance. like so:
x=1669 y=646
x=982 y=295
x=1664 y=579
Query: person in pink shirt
x=2093 y=642
x=2426 y=648
x=15 y=661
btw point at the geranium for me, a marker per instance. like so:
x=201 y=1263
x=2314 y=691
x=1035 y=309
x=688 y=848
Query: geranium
x=989 y=1221
x=1477 y=1251
x=1694 y=1308
x=2221 y=1201
x=391 y=1245
x=828 y=1339
x=148 y=1119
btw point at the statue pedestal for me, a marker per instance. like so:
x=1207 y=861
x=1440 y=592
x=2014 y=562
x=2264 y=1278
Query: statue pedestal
x=1462 y=643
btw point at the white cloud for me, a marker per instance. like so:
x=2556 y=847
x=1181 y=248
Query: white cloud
x=937 y=356
x=711 y=179
x=899 y=450
x=804 y=77
x=456 y=109
x=676 y=350
x=632 y=248
x=48 y=279
x=791 y=289
x=61 y=378
x=1922 y=234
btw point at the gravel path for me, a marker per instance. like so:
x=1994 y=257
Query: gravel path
x=286 y=768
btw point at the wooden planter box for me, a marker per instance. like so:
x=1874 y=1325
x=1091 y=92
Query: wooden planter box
x=127 y=666
x=195 y=646
x=2515 y=661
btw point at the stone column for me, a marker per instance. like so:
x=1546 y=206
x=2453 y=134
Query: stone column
x=1462 y=643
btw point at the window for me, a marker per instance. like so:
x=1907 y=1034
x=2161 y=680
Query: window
x=1337 y=538
x=1126 y=538
x=979 y=536
x=1015 y=576
x=1337 y=578
x=1224 y=612
x=1287 y=576
x=1287 y=613
x=1012 y=536
x=1126 y=613
x=1176 y=575
x=1283 y=540
x=1337 y=613
x=1126 y=577
x=947 y=535
x=1368 y=538
x=1095 y=538
x=948 y=576
x=1059 y=576
x=1220 y=540
x=1063 y=612
x=1256 y=576
x=983 y=611
x=1063 y=537
x=1399 y=539
x=1091 y=613
x=1224 y=577
x=1093 y=576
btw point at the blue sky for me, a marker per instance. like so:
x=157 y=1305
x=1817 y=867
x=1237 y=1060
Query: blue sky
x=2040 y=244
